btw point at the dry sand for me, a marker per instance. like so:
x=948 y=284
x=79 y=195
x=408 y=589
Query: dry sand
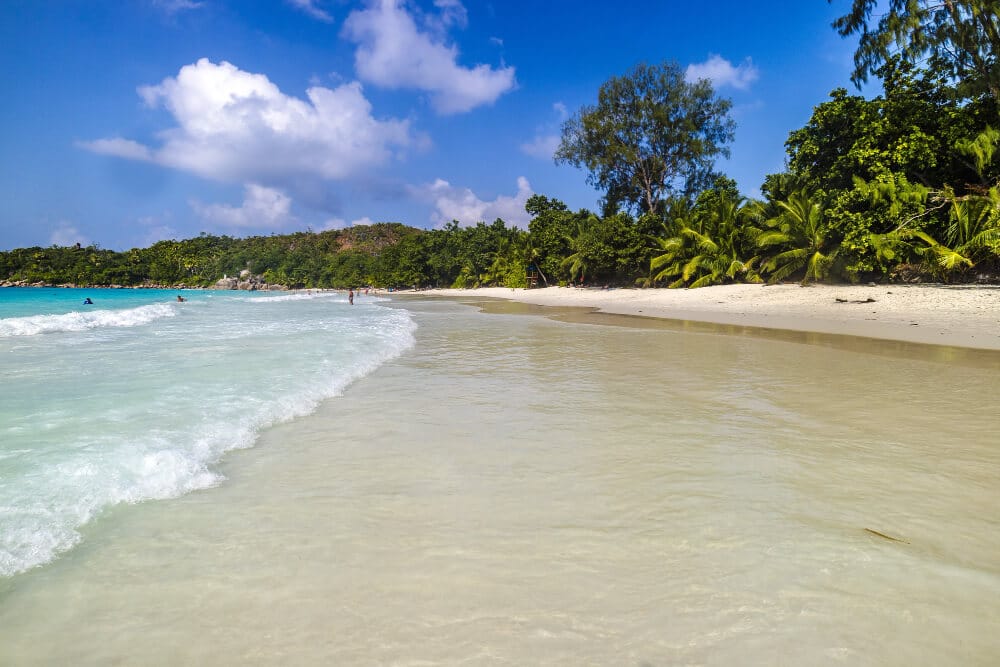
x=960 y=316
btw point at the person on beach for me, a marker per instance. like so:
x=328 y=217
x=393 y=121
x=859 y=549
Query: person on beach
x=350 y=296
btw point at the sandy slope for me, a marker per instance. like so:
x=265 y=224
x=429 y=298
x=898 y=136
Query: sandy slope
x=963 y=316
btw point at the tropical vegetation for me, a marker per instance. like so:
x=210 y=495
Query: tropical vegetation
x=904 y=186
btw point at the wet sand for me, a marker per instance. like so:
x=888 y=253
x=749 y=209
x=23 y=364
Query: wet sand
x=961 y=315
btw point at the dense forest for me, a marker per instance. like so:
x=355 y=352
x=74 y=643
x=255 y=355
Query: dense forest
x=901 y=187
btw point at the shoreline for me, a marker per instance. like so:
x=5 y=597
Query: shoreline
x=956 y=316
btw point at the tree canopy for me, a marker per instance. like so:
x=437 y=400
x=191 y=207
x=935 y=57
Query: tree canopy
x=957 y=37
x=652 y=135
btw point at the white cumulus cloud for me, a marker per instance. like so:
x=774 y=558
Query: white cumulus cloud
x=237 y=126
x=262 y=207
x=461 y=204
x=394 y=53
x=722 y=73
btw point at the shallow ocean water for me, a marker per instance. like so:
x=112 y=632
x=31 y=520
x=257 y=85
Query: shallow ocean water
x=518 y=490
x=138 y=396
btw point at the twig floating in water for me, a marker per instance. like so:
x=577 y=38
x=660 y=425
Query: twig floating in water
x=883 y=535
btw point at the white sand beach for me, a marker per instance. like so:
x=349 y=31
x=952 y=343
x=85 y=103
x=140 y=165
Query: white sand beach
x=955 y=315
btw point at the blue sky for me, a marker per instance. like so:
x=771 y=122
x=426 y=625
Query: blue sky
x=133 y=121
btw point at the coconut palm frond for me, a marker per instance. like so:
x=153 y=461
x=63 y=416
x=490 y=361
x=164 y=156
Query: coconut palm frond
x=705 y=281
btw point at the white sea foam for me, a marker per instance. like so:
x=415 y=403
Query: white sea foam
x=149 y=416
x=297 y=296
x=84 y=320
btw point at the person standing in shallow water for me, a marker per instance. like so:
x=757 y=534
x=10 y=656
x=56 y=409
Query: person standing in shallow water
x=350 y=296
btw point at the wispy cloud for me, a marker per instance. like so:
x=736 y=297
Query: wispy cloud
x=313 y=9
x=722 y=73
x=394 y=53
x=66 y=234
x=119 y=147
x=174 y=6
x=155 y=228
x=543 y=146
x=453 y=13
x=462 y=204
x=341 y=223
x=237 y=126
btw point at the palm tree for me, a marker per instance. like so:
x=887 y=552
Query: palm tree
x=802 y=237
x=578 y=263
x=707 y=247
x=531 y=255
x=673 y=246
x=973 y=230
x=510 y=262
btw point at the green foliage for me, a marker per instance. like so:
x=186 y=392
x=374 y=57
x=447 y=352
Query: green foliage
x=550 y=226
x=972 y=230
x=959 y=38
x=709 y=243
x=972 y=235
x=799 y=240
x=910 y=130
x=607 y=250
x=651 y=135
x=329 y=259
x=874 y=221
x=578 y=263
x=884 y=167
x=510 y=262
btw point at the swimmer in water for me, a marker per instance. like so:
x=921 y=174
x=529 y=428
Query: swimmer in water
x=180 y=298
x=88 y=302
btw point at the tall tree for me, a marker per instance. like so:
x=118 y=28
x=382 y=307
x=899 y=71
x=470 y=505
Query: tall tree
x=652 y=135
x=959 y=37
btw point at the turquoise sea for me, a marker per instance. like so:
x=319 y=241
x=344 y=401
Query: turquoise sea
x=137 y=396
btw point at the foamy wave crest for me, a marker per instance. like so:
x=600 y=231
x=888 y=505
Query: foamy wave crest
x=133 y=459
x=82 y=321
x=298 y=296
